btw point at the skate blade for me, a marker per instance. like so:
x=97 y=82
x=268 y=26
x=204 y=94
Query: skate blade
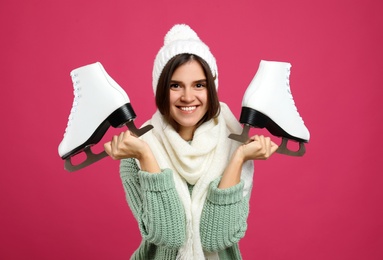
x=92 y=157
x=138 y=132
x=243 y=137
x=282 y=149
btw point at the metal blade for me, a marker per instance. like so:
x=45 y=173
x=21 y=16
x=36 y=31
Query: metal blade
x=138 y=132
x=282 y=149
x=243 y=137
x=90 y=159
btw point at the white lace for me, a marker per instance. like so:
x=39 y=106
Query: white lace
x=77 y=96
x=289 y=91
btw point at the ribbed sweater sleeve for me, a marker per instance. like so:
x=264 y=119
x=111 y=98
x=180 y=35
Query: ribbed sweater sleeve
x=131 y=183
x=224 y=217
x=155 y=204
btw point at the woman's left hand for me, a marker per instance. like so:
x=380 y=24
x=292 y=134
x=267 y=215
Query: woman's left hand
x=258 y=147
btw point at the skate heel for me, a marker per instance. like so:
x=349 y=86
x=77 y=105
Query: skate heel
x=122 y=115
x=249 y=117
x=125 y=116
x=252 y=117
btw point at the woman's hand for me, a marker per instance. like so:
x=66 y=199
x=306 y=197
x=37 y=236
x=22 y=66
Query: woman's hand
x=258 y=147
x=127 y=145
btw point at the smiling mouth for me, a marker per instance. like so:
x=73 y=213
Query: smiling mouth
x=188 y=109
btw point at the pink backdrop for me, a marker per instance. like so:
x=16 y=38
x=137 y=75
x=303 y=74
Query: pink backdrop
x=326 y=205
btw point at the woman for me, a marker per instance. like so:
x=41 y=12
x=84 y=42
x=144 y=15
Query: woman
x=187 y=184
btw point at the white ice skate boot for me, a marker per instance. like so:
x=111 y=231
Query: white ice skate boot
x=268 y=103
x=99 y=102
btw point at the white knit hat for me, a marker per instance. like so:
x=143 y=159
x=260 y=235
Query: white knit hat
x=182 y=39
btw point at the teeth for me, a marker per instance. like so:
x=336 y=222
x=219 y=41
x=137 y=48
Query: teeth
x=188 y=108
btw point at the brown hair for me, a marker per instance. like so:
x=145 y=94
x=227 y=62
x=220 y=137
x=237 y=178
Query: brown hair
x=163 y=88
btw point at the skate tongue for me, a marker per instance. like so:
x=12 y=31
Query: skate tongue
x=282 y=149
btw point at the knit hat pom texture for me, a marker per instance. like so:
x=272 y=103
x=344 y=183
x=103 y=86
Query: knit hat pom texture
x=178 y=40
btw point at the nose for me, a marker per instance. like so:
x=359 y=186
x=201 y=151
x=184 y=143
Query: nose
x=187 y=95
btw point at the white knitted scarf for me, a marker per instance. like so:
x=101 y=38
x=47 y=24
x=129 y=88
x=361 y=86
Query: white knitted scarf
x=198 y=163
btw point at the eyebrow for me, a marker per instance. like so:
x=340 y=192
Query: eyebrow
x=196 y=81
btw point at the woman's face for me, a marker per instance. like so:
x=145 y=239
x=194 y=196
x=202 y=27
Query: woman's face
x=188 y=97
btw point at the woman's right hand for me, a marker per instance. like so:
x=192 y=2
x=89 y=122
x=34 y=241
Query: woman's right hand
x=126 y=145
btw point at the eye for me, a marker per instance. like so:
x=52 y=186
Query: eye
x=174 y=85
x=200 y=85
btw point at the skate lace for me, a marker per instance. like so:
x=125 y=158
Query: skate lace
x=290 y=93
x=77 y=96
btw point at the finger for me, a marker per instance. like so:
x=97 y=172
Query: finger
x=132 y=134
x=251 y=139
x=127 y=133
x=108 y=148
x=268 y=146
x=263 y=145
x=274 y=147
x=257 y=141
x=114 y=144
x=120 y=139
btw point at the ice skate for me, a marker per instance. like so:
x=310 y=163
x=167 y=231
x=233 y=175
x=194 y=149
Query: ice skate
x=268 y=103
x=99 y=102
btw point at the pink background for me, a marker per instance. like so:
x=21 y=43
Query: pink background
x=325 y=205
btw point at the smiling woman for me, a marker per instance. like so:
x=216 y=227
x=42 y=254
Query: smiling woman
x=186 y=182
x=188 y=98
x=203 y=76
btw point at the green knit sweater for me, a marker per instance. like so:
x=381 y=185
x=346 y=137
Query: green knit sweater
x=155 y=204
